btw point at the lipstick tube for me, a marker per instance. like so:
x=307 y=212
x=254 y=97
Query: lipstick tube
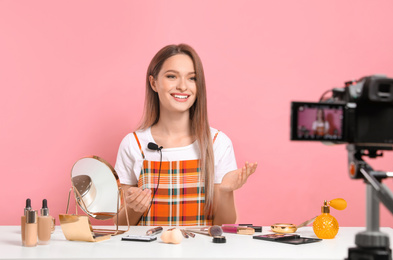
x=238 y=230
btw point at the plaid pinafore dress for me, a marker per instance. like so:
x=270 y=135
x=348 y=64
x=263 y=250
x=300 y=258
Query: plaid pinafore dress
x=180 y=197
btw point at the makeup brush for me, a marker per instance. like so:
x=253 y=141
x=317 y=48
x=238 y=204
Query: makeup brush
x=305 y=223
x=208 y=231
x=189 y=233
x=184 y=233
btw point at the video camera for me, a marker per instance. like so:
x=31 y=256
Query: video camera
x=360 y=113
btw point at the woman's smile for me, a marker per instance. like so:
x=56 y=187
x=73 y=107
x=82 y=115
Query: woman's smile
x=180 y=97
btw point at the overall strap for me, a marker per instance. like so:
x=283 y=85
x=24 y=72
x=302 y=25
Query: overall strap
x=215 y=136
x=139 y=144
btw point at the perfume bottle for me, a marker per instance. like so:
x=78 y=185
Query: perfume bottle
x=325 y=225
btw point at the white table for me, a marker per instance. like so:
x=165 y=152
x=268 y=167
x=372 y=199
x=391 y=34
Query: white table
x=200 y=247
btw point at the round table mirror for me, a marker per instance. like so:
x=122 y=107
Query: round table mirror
x=96 y=187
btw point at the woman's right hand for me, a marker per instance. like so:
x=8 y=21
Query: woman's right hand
x=137 y=199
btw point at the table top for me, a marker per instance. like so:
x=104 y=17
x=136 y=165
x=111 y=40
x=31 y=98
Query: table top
x=200 y=247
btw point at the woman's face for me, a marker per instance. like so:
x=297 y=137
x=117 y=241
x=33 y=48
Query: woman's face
x=320 y=114
x=176 y=84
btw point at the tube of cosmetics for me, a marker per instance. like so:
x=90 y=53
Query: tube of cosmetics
x=238 y=230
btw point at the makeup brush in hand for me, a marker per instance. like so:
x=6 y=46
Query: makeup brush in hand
x=208 y=231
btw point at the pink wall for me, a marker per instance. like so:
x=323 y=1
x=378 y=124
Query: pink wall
x=72 y=84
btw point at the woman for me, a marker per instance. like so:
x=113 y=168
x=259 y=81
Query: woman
x=320 y=126
x=193 y=184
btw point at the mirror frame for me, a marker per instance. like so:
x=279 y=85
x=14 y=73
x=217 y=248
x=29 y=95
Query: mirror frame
x=121 y=202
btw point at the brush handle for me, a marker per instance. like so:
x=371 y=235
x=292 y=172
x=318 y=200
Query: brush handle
x=200 y=232
x=305 y=223
x=183 y=232
x=189 y=233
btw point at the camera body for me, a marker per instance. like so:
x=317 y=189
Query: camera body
x=361 y=113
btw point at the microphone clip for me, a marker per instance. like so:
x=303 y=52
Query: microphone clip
x=153 y=146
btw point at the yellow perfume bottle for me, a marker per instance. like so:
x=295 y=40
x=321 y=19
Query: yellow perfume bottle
x=325 y=225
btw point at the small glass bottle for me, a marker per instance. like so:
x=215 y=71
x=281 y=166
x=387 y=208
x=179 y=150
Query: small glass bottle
x=23 y=221
x=44 y=224
x=31 y=228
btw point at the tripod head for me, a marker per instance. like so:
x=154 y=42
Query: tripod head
x=371 y=243
x=359 y=169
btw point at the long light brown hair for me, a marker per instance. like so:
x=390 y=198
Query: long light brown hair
x=198 y=113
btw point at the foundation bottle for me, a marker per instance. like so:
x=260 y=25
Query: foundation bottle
x=23 y=221
x=45 y=223
x=31 y=228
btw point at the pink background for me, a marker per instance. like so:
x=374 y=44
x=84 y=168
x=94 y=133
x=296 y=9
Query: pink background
x=72 y=84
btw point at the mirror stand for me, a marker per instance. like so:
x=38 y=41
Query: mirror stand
x=100 y=215
x=96 y=189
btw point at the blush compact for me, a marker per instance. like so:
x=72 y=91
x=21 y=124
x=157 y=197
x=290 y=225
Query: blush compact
x=283 y=228
x=286 y=228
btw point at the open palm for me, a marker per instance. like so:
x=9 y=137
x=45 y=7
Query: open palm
x=235 y=179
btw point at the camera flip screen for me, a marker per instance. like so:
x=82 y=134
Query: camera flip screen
x=317 y=121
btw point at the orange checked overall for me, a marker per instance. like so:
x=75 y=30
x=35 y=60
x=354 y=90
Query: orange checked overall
x=180 y=197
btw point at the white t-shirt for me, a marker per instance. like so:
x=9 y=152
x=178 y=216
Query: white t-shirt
x=316 y=124
x=129 y=158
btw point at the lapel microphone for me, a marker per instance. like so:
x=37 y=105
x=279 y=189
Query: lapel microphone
x=153 y=146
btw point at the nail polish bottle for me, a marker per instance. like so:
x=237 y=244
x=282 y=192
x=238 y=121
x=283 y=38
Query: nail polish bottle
x=23 y=221
x=31 y=228
x=44 y=224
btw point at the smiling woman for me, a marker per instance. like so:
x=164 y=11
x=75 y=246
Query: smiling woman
x=189 y=178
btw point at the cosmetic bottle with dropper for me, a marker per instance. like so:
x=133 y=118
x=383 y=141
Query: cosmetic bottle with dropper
x=31 y=228
x=23 y=221
x=44 y=224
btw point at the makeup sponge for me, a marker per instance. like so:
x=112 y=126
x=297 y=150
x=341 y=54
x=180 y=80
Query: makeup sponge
x=172 y=236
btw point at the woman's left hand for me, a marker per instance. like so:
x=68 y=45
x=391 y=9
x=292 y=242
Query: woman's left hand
x=235 y=179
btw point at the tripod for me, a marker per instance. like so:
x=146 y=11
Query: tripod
x=370 y=244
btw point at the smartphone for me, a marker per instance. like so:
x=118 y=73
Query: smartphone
x=287 y=238
x=139 y=238
x=301 y=240
x=276 y=237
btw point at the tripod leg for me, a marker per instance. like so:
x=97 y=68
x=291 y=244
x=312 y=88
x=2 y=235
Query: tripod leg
x=371 y=244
